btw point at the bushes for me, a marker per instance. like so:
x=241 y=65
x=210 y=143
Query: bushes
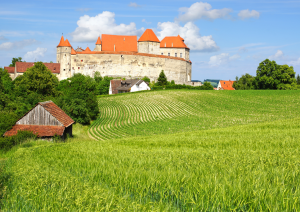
x=206 y=86
x=8 y=142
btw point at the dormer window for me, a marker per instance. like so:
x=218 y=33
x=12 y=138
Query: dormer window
x=162 y=53
x=169 y=54
x=175 y=54
x=180 y=54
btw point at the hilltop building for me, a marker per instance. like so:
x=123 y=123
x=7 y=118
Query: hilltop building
x=125 y=56
x=125 y=86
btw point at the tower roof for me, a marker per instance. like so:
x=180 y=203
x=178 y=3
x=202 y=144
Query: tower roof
x=73 y=51
x=180 y=37
x=98 y=41
x=173 y=42
x=87 y=50
x=149 y=35
x=64 y=42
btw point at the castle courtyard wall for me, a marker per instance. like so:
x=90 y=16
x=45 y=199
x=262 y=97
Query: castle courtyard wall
x=134 y=66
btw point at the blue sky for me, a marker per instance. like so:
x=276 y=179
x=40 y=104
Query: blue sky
x=227 y=38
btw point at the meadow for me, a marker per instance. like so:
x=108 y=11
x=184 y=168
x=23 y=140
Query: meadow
x=166 y=151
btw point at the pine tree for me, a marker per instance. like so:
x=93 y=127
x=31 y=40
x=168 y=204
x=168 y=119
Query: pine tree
x=298 y=79
x=162 y=79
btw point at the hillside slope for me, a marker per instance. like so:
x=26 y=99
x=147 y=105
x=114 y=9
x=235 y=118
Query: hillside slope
x=171 y=111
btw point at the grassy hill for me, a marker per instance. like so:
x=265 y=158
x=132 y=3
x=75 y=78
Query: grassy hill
x=167 y=151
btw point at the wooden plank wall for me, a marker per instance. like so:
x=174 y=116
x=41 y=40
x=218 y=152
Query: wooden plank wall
x=39 y=116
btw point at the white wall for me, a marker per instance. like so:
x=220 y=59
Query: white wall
x=142 y=87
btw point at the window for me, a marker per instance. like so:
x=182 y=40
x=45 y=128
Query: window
x=180 y=54
x=65 y=55
x=78 y=67
x=73 y=68
x=74 y=60
x=81 y=60
x=175 y=54
x=162 y=53
x=68 y=63
x=64 y=69
x=168 y=54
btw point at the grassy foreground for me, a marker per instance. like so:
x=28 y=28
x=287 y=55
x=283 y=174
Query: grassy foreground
x=249 y=166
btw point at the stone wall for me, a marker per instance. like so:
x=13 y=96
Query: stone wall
x=172 y=51
x=149 y=47
x=134 y=66
x=63 y=57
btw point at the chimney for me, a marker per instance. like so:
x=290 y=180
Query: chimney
x=114 y=47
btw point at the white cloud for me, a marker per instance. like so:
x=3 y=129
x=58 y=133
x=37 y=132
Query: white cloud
x=89 y=28
x=35 y=55
x=221 y=59
x=144 y=20
x=296 y=62
x=133 y=4
x=244 y=14
x=20 y=33
x=2 y=37
x=200 y=10
x=190 y=33
x=277 y=55
x=17 y=45
x=83 y=9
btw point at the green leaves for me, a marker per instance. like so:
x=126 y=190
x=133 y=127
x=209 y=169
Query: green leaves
x=162 y=79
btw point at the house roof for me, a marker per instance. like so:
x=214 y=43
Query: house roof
x=114 y=85
x=127 y=84
x=10 y=69
x=63 y=42
x=21 y=67
x=58 y=113
x=227 y=85
x=98 y=41
x=40 y=130
x=173 y=42
x=120 y=42
x=149 y=35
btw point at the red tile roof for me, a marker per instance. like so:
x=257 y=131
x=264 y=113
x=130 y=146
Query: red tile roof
x=114 y=85
x=87 y=50
x=58 y=113
x=173 y=42
x=149 y=35
x=227 y=85
x=121 y=43
x=73 y=51
x=98 y=41
x=40 y=130
x=64 y=42
x=23 y=66
x=10 y=69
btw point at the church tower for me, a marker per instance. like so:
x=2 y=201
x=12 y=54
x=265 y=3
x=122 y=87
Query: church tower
x=63 y=56
x=149 y=43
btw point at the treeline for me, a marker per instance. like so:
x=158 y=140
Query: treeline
x=269 y=75
x=77 y=95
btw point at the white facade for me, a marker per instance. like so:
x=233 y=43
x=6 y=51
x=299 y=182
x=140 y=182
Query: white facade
x=142 y=87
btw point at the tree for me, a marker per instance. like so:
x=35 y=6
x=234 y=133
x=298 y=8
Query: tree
x=6 y=81
x=14 y=60
x=207 y=86
x=246 y=82
x=298 y=79
x=103 y=86
x=97 y=77
x=270 y=75
x=162 y=79
x=146 y=79
x=38 y=79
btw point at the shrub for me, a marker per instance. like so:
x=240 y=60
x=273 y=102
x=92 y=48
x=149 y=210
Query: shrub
x=7 y=143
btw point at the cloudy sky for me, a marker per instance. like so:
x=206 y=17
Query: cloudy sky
x=227 y=38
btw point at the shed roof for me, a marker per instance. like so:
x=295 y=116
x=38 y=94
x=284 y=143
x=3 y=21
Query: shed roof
x=10 y=69
x=40 y=130
x=149 y=35
x=120 y=42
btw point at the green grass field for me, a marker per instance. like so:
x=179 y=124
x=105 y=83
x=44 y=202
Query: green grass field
x=167 y=151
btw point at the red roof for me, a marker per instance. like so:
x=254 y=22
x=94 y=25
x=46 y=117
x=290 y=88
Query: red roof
x=40 y=130
x=64 y=42
x=173 y=42
x=149 y=35
x=58 y=113
x=87 y=50
x=98 y=41
x=114 y=84
x=21 y=67
x=73 y=51
x=10 y=69
x=120 y=42
x=227 y=85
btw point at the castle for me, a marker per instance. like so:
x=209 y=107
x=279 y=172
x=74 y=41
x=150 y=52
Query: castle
x=125 y=56
x=122 y=56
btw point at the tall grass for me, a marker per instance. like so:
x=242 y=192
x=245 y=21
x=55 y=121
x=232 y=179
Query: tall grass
x=253 y=167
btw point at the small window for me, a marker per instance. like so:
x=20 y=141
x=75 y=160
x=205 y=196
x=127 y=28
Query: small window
x=65 y=55
x=54 y=68
x=64 y=69
x=224 y=83
x=180 y=54
x=81 y=60
x=68 y=63
x=74 y=60
x=168 y=54
x=175 y=54
x=73 y=68
x=66 y=48
x=78 y=67
x=69 y=69
x=162 y=53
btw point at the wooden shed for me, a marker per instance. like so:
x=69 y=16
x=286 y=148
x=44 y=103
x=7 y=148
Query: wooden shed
x=46 y=119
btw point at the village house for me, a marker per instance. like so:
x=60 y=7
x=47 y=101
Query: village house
x=46 y=120
x=130 y=85
x=225 y=85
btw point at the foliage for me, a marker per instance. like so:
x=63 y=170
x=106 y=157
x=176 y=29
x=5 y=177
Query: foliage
x=78 y=110
x=269 y=75
x=103 y=86
x=162 y=79
x=7 y=120
x=14 y=60
x=38 y=79
x=207 y=86
x=7 y=143
x=98 y=77
x=298 y=79
x=246 y=82
x=6 y=81
x=146 y=79
x=172 y=82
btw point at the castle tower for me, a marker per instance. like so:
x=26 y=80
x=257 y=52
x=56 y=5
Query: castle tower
x=149 y=43
x=98 y=45
x=63 y=56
